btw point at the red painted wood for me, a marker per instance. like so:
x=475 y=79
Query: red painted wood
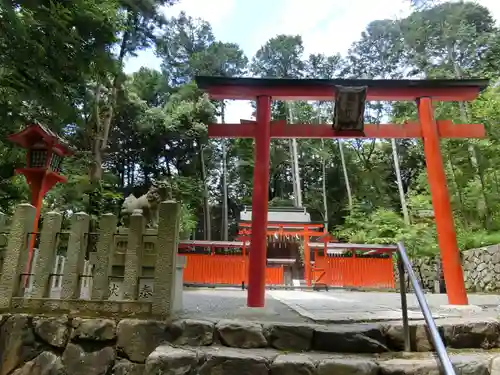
x=270 y=224
x=355 y=272
x=225 y=269
x=326 y=93
x=257 y=258
x=279 y=129
x=447 y=238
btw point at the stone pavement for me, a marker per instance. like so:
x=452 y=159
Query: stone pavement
x=222 y=303
x=330 y=307
x=351 y=306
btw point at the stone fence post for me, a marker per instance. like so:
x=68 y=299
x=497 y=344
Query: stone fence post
x=166 y=258
x=3 y=222
x=133 y=256
x=75 y=256
x=16 y=255
x=104 y=257
x=3 y=236
x=46 y=254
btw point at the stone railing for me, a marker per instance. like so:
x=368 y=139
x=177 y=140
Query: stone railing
x=71 y=283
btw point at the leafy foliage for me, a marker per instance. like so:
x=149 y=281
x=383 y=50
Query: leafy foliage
x=62 y=64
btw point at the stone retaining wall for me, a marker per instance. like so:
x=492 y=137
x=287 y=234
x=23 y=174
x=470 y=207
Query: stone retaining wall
x=425 y=269
x=61 y=345
x=481 y=270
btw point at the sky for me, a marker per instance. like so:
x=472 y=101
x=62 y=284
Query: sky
x=326 y=26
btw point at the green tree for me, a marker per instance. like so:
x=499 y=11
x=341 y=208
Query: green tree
x=281 y=57
x=188 y=48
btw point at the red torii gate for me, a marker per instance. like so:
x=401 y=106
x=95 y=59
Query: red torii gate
x=262 y=130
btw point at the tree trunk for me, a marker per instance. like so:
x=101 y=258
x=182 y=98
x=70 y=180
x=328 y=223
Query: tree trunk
x=95 y=172
x=495 y=178
x=459 y=192
x=473 y=156
x=102 y=128
x=479 y=168
x=473 y=152
x=295 y=164
x=404 y=207
x=346 y=176
x=132 y=172
x=225 y=223
x=206 y=204
x=323 y=185
x=297 y=172
x=292 y=169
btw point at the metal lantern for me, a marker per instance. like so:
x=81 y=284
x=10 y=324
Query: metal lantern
x=45 y=152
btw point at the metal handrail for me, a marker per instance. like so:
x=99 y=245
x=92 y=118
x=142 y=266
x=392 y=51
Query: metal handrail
x=404 y=263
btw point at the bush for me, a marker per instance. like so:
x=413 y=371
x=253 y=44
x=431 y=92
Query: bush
x=469 y=239
x=384 y=226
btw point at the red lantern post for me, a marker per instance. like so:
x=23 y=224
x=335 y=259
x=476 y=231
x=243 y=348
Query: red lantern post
x=45 y=152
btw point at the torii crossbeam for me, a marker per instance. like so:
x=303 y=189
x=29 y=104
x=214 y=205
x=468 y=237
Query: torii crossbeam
x=427 y=128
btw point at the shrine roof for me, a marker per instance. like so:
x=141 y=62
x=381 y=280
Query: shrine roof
x=323 y=89
x=279 y=209
x=37 y=131
x=279 y=215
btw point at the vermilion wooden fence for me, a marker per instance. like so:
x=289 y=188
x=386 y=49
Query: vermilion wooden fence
x=333 y=271
x=355 y=272
x=224 y=269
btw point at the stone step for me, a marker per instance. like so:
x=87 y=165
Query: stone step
x=167 y=359
x=299 y=283
x=91 y=346
x=349 y=338
x=291 y=337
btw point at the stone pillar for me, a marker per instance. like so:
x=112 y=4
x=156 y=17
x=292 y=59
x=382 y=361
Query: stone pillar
x=3 y=236
x=179 y=282
x=3 y=230
x=166 y=253
x=75 y=256
x=46 y=254
x=103 y=257
x=3 y=222
x=16 y=254
x=133 y=256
